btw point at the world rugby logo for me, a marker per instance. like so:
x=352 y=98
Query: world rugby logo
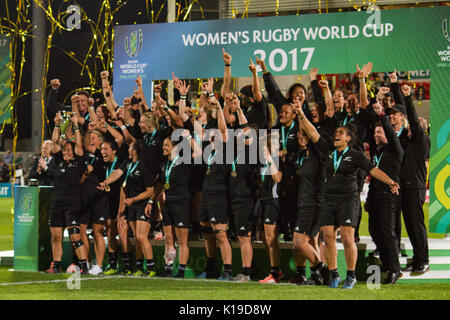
x=133 y=43
x=25 y=202
x=445 y=29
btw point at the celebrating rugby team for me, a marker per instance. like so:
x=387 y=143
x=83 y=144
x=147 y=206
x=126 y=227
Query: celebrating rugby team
x=233 y=166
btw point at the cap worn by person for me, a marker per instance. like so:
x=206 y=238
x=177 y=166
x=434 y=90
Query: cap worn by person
x=397 y=108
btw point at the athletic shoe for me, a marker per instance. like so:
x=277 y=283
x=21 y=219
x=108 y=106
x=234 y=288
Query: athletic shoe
x=138 y=273
x=127 y=272
x=207 y=275
x=315 y=280
x=271 y=279
x=392 y=277
x=149 y=273
x=418 y=270
x=157 y=236
x=168 y=274
x=334 y=282
x=95 y=270
x=349 y=283
x=179 y=275
x=72 y=268
x=375 y=253
x=84 y=271
x=240 y=278
x=224 y=277
x=297 y=279
x=111 y=271
x=53 y=268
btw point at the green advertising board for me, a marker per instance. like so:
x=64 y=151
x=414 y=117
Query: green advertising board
x=404 y=39
x=5 y=80
x=26 y=228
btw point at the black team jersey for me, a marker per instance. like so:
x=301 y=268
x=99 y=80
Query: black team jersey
x=343 y=182
x=217 y=172
x=139 y=178
x=67 y=179
x=242 y=184
x=178 y=180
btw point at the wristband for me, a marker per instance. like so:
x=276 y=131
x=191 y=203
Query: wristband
x=205 y=92
x=362 y=80
x=106 y=126
x=183 y=97
x=150 y=201
x=228 y=65
x=165 y=108
x=123 y=127
x=301 y=118
x=189 y=137
x=211 y=94
x=76 y=128
x=58 y=126
x=91 y=107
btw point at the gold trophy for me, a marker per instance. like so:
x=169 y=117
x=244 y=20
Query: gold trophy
x=65 y=121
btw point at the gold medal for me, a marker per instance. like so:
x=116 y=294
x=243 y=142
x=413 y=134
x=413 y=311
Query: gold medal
x=166 y=186
x=107 y=189
x=299 y=171
x=233 y=174
x=284 y=152
x=208 y=171
x=124 y=184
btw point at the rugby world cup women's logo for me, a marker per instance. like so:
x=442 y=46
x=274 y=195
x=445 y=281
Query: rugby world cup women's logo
x=445 y=28
x=133 y=43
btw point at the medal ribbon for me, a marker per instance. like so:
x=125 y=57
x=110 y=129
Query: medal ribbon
x=400 y=132
x=337 y=162
x=130 y=170
x=210 y=158
x=263 y=174
x=233 y=166
x=147 y=140
x=169 y=168
x=377 y=160
x=286 y=137
x=108 y=172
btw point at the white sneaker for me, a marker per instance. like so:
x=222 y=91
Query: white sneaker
x=95 y=270
x=447 y=236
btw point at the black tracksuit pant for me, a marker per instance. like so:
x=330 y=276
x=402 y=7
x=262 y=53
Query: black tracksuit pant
x=412 y=207
x=382 y=212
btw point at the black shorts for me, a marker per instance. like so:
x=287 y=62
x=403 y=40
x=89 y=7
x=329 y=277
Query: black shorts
x=244 y=219
x=177 y=214
x=270 y=210
x=340 y=212
x=214 y=208
x=99 y=210
x=61 y=216
x=308 y=221
x=136 y=212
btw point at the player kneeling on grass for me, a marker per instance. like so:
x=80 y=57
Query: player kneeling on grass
x=65 y=208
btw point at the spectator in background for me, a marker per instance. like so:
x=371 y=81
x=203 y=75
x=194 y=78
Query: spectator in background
x=4 y=172
x=41 y=162
x=8 y=158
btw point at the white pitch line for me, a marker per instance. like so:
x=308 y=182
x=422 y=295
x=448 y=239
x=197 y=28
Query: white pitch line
x=51 y=281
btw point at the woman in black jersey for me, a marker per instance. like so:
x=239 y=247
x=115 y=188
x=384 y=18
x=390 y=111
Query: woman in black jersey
x=242 y=187
x=65 y=208
x=308 y=169
x=137 y=187
x=112 y=162
x=269 y=178
x=214 y=204
x=341 y=203
x=174 y=179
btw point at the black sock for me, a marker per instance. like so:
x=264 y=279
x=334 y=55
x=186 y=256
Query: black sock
x=274 y=271
x=246 y=271
x=75 y=260
x=57 y=264
x=334 y=273
x=181 y=270
x=227 y=269
x=126 y=260
x=112 y=260
x=83 y=264
x=318 y=267
x=301 y=271
x=351 y=273
x=168 y=267
x=150 y=265
x=140 y=264
x=211 y=264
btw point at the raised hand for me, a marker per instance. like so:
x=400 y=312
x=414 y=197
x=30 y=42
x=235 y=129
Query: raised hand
x=252 y=67
x=55 y=84
x=104 y=74
x=367 y=69
x=210 y=85
x=183 y=89
x=176 y=81
x=313 y=73
x=57 y=118
x=359 y=73
x=226 y=57
x=158 y=88
x=126 y=101
x=139 y=81
x=323 y=84
x=92 y=125
x=384 y=90
x=377 y=108
x=91 y=102
x=75 y=99
x=74 y=119
x=393 y=76
x=406 y=90
x=261 y=63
